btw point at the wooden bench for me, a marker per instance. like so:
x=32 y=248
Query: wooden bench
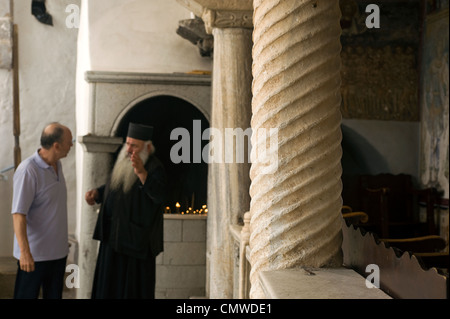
x=392 y=205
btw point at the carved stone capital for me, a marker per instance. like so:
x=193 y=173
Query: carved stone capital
x=222 y=14
x=227 y=19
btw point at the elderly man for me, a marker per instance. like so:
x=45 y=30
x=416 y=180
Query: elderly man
x=130 y=222
x=39 y=211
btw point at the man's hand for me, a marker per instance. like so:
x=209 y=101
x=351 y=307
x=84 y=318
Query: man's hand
x=91 y=196
x=26 y=261
x=138 y=166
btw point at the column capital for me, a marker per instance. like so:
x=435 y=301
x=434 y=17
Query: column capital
x=100 y=144
x=227 y=19
x=222 y=14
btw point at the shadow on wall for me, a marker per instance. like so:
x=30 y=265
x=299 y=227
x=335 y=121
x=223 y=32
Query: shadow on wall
x=358 y=157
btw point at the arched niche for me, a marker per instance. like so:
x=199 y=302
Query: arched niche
x=187 y=180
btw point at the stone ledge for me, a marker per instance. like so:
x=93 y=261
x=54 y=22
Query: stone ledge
x=100 y=144
x=321 y=283
x=185 y=216
x=147 y=78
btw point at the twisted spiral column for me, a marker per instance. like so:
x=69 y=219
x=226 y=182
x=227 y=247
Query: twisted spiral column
x=295 y=212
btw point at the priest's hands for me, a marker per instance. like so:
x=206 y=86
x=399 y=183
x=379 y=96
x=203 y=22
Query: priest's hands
x=91 y=196
x=138 y=166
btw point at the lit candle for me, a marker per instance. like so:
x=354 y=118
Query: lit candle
x=168 y=210
x=177 y=206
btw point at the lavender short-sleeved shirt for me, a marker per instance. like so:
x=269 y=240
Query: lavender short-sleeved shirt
x=41 y=195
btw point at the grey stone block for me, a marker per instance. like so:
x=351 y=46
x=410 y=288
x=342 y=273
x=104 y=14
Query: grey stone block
x=179 y=293
x=194 y=230
x=184 y=253
x=172 y=230
x=180 y=277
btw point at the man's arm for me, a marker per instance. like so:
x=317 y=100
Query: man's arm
x=26 y=261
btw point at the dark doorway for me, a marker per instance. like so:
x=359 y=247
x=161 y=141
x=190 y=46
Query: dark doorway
x=187 y=181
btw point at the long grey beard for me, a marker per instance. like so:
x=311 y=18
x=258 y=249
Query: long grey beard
x=123 y=175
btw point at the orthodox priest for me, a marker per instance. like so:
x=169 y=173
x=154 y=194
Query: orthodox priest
x=130 y=222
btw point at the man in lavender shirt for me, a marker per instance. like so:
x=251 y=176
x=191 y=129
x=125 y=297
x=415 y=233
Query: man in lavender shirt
x=39 y=212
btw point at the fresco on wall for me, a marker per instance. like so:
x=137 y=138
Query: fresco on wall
x=379 y=72
x=435 y=103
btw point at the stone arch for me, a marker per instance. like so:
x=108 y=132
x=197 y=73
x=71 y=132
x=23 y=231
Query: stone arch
x=187 y=181
x=203 y=106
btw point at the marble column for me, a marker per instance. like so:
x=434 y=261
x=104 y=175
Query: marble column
x=295 y=212
x=228 y=183
x=97 y=157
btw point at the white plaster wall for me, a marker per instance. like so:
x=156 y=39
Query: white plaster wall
x=47 y=57
x=6 y=160
x=140 y=36
x=6 y=135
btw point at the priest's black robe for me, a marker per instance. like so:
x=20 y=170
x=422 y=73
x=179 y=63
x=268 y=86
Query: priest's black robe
x=130 y=231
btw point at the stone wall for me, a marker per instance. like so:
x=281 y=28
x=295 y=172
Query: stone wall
x=181 y=268
x=379 y=69
x=434 y=100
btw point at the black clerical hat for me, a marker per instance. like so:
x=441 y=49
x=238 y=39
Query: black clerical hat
x=140 y=131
